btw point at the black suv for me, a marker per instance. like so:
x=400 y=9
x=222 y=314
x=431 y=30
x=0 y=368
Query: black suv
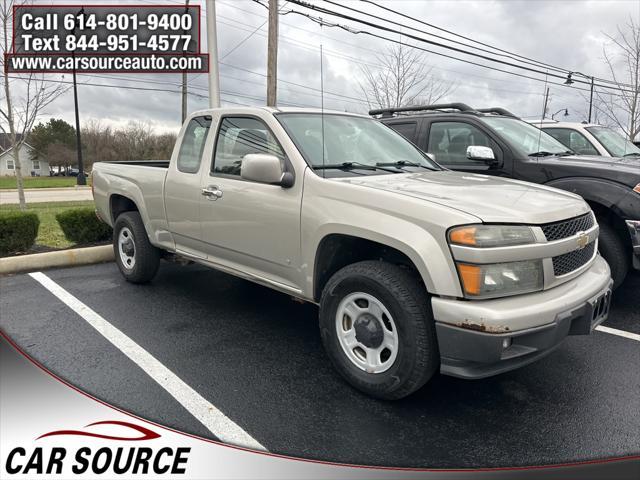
x=493 y=141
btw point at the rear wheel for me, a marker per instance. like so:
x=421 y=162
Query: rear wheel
x=136 y=258
x=614 y=252
x=378 y=329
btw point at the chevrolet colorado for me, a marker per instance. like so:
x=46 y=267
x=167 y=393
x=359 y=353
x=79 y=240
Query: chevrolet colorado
x=416 y=269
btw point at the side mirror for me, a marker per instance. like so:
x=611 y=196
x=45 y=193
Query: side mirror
x=481 y=154
x=264 y=168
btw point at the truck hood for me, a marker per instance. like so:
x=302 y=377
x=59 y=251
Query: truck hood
x=491 y=199
x=621 y=170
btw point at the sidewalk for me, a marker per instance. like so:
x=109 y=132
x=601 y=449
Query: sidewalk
x=39 y=195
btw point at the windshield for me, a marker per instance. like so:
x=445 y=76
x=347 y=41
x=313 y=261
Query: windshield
x=360 y=141
x=524 y=137
x=616 y=144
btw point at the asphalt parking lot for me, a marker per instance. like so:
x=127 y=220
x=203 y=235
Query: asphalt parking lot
x=257 y=357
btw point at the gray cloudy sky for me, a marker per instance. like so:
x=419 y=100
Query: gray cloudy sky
x=569 y=34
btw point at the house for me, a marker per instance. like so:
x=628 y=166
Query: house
x=29 y=167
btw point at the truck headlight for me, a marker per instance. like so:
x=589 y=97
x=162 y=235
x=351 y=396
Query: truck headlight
x=485 y=236
x=501 y=279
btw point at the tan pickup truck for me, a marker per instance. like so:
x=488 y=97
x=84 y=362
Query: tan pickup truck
x=416 y=269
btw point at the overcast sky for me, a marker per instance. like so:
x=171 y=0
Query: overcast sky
x=569 y=34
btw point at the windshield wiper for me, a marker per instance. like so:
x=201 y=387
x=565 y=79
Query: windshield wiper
x=402 y=163
x=636 y=154
x=542 y=153
x=352 y=166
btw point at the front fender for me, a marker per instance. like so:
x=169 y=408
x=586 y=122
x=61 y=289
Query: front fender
x=615 y=196
x=432 y=261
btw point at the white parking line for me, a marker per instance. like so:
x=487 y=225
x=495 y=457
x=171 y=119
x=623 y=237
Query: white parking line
x=620 y=333
x=212 y=418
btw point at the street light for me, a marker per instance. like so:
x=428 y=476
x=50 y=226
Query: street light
x=81 y=180
x=569 y=81
x=566 y=113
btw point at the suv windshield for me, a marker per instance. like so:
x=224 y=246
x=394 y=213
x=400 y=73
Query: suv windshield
x=616 y=144
x=357 y=143
x=525 y=138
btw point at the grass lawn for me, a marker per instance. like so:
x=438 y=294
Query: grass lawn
x=49 y=233
x=39 y=182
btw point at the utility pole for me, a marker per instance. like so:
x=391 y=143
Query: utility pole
x=212 y=45
x=184 y=78
x=272 y=54
x=81 y=179
x=546 y=102
x=591 y=100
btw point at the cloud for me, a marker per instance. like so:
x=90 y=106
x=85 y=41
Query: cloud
x=565 y=33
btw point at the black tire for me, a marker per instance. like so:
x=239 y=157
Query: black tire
x=407 y=301
x=146 y=257
x=614 y=252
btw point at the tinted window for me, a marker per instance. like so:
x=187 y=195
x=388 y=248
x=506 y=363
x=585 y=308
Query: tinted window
x=407 y=130
x=240 y=136
x=573 y=139
x=193 y=142
x=448 y=141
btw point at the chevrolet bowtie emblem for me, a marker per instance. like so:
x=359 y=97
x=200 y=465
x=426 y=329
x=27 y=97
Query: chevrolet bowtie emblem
x=582 y=240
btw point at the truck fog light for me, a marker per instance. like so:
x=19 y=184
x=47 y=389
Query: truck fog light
x=506 y=343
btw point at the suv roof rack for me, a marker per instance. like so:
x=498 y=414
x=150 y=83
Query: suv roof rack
x=388 y=112
x=497 y=110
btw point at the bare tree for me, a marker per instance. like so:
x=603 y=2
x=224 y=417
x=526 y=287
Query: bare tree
x=25 y=97
x=622 y=108
x=403 y=80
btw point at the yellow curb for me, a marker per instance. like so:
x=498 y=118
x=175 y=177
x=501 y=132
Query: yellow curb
x=61 y=258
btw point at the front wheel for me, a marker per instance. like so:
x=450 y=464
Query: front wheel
x=136 y=258
x=614 y=252
x=378 y=329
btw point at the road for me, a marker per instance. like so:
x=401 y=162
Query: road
x=39 y=195
x=257 y=357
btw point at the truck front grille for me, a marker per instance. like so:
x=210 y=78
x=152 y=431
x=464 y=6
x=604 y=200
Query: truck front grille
x=567 y=263
x=567 y=228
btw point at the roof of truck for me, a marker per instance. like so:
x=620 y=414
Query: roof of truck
x=250 y=109
x=557 y=124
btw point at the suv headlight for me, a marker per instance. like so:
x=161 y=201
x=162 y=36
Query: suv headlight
x=637 y=188
x=497 y=279
x=485 y=236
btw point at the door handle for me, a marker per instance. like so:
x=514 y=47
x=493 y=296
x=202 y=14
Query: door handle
x=212 y=192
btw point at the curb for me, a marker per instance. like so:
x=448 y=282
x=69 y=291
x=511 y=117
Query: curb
x=62 y=258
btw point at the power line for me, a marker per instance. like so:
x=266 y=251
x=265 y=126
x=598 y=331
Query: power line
x=365 y=32
x=323 y=10
x=508 y=53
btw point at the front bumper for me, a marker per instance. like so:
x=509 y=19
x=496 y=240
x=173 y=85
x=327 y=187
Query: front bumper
x=634 y=231
x=479 y=339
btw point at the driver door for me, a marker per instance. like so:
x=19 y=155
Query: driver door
x=249 y=226
x=448 y=142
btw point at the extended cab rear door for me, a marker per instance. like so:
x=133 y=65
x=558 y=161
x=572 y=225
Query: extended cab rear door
x=182 y=191
x=248 y=226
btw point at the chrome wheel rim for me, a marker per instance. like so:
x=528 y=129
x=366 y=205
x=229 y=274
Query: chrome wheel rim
x=366 y=332
x=127 y=248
